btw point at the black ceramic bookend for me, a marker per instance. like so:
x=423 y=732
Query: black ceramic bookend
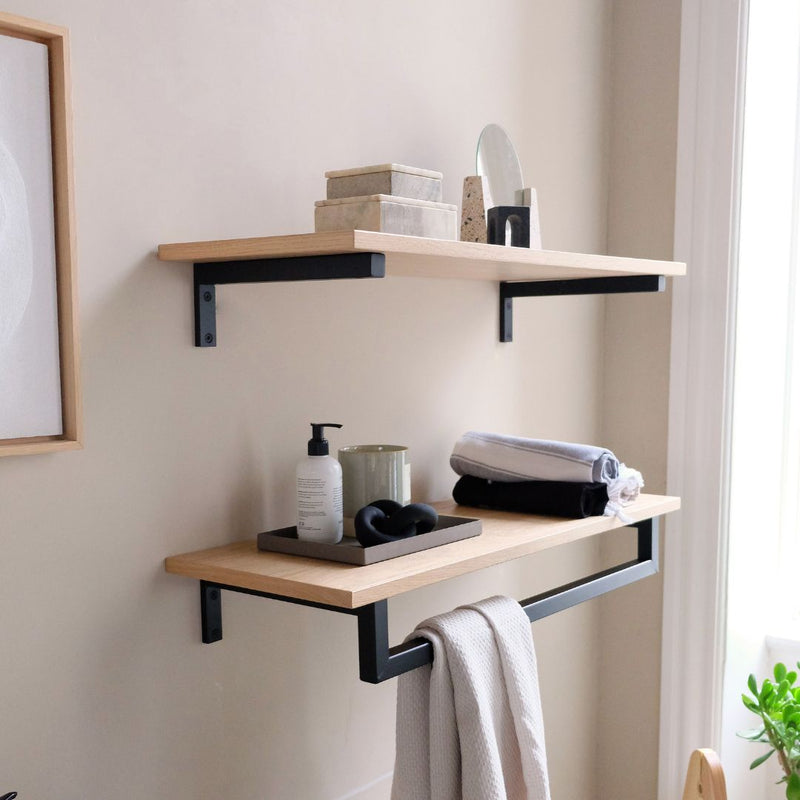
x=386 y=521
x=519 y=219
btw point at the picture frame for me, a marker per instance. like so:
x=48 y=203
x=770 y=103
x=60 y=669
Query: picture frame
x=40 y=388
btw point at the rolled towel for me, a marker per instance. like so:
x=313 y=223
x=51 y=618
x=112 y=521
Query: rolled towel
x=622 y=492
x=550 y=498
x=625 y=489
x=511 y=458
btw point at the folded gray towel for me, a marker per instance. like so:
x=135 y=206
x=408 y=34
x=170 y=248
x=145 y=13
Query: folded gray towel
x=511 y=458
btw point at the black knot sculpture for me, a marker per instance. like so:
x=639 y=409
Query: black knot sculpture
x=384 y=521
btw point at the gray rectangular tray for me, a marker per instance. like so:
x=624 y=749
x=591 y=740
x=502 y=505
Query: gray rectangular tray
x=349 y=551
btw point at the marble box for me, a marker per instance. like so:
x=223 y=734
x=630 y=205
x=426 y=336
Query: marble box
x=392 y=179
x=381 y=212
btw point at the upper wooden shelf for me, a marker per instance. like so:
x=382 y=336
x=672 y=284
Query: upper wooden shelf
x=413 y=256
x=505 y=536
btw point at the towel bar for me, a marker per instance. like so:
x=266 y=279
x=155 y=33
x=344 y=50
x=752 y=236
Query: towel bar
x=379 y=662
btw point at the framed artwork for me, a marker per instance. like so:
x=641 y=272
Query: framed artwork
x=40 y=403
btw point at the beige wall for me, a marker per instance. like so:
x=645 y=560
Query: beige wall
x=201 y=120
x=646 y=50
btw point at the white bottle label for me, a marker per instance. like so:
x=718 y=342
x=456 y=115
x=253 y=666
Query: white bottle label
x=319 y=508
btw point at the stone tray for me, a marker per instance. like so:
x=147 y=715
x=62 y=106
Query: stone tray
x=349 y=551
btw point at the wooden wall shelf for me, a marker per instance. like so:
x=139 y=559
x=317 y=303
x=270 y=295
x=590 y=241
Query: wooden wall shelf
x=318 y=256
x=364 y=591
x=417 y=257
x=505 y=536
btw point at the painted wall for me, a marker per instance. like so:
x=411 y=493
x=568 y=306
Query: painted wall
x=198 y=120
x=644 y=108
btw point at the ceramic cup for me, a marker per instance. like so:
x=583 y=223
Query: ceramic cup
x=373 y=472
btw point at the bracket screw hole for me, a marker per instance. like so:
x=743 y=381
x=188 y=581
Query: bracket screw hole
x=207 y=296
x=214 y=594
x=209 y=337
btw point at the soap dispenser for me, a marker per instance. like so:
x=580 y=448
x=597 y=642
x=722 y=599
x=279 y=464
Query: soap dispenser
x=319 y=491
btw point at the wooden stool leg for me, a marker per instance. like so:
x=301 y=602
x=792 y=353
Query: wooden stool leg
x=705 y=779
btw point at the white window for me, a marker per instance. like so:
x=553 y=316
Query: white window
x=763 y=598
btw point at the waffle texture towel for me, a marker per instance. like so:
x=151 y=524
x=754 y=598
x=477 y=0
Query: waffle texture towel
x=469 y=726
x=496 y=457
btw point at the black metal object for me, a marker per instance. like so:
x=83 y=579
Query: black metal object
x=379 y=662
x=211 y=606
x=270 y=270
x=620 y=284
x=519 y=219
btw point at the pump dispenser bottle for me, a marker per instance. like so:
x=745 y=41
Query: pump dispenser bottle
x=319 y=491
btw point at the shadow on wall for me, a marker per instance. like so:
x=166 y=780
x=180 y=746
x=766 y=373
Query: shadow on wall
x=177 y=466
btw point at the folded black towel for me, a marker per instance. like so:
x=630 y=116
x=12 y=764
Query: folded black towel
x=550 y=498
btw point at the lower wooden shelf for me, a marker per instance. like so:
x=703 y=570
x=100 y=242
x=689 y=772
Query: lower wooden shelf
x=505 y=536
x=363 y=591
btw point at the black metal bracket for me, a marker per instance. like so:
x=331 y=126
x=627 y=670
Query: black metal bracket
x=270 y=270
x=621 y=284
x=379 y=662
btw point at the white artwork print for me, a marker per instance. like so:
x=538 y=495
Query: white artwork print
x=30 y=383
x=16 y=258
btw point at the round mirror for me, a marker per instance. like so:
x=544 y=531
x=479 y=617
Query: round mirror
x=497 y=161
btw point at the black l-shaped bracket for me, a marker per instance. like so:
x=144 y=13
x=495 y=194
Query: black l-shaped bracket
x=610 y=285
x=373 y=265
x=264 y=270
x=379 y=662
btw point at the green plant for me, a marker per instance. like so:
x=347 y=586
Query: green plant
x=778 y=706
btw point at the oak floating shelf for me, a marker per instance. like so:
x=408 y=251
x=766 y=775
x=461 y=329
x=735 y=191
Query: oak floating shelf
x=418 y=257
x=364 y=590
x=354 y=254
x=505 y=536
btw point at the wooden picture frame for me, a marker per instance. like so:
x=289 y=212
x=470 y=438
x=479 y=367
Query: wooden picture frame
x=67 y=435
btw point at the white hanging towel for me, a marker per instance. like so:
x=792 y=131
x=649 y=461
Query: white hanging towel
x=469 y=726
